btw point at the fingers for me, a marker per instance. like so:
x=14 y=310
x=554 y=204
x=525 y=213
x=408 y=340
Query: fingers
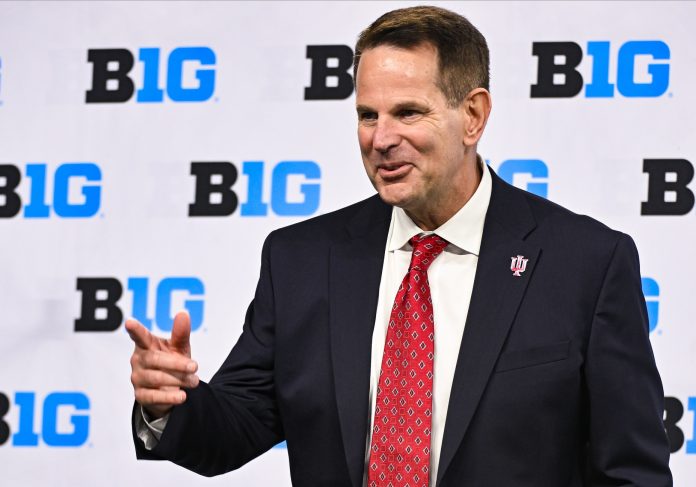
x=156 y=379
x=161 y=368
x=159 y=400
x=139 y=334
x=153 y=369
x=181 y=333
x=164 y=360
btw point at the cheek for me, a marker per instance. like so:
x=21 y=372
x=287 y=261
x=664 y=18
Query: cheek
x=365 y=140
x=448 y=145
x=369 y=167
x=422 y=140
x=455 y=137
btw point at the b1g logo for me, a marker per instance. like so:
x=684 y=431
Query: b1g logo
x=557 y=76
x=651 y=291
x=331 y=78
x=111 y=82
x=528 y=174
x=674 y=412
x=668 y=191
x=76 y=190
x=214 y=195
x=51 y=415
x=100 y=310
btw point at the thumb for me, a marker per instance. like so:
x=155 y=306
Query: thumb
x=181 y=333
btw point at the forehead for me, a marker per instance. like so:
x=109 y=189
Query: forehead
x=388 y=69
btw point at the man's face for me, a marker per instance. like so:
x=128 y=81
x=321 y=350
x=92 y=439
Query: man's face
x=411 y=140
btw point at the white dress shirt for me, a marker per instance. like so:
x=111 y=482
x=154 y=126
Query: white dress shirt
x=451 y=278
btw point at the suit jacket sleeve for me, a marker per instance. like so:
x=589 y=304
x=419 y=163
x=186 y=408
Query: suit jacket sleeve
x=224 y=424
x=627 y=441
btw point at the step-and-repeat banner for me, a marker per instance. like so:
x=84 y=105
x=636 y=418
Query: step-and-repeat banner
x=143 y=145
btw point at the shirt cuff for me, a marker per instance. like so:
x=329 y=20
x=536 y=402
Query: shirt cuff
x=149 y=430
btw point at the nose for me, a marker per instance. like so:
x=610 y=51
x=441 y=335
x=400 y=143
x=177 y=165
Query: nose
x=385 y=135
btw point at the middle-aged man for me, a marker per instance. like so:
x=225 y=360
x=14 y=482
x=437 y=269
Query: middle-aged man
x=452 y=331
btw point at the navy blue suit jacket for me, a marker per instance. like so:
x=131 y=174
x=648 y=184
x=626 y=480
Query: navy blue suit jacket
x=555 y=383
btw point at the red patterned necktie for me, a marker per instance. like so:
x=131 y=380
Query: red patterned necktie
x=400 y=448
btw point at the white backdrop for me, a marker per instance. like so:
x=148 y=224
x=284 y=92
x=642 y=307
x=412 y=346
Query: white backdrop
x=129 y=218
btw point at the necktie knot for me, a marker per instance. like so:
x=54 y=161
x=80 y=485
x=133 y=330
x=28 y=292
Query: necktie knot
x=425 y=249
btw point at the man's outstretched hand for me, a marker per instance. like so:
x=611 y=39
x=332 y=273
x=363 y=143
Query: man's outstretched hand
x=161 y=367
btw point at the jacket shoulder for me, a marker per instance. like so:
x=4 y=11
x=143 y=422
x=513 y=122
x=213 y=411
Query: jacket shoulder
x=336 y=225
x=566 y=222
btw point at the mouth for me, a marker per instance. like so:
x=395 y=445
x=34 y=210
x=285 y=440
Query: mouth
x=393 y=170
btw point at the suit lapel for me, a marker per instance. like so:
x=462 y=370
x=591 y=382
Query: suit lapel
x=495 y=299
x=355 y=273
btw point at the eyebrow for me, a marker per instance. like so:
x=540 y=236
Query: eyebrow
x=399 y=106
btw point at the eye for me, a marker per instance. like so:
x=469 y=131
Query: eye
x=367 y=116
x=408 y=113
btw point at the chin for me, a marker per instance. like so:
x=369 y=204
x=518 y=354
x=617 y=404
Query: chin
x=394 y=197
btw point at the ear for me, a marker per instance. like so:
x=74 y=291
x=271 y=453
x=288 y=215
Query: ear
x=477 y=107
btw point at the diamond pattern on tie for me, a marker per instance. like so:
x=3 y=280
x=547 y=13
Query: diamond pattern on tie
x=400 y=448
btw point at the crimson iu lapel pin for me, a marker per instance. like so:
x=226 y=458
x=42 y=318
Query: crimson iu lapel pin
x=518 y=265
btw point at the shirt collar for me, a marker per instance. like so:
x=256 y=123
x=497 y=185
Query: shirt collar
x=463 y=231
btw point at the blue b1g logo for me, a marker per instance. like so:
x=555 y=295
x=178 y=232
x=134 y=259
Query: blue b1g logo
x=55 y=405
x=557 y=76
x=112 y=83
x=214 y=195
x=100 y=309
x=528 y=174
x=76 y=190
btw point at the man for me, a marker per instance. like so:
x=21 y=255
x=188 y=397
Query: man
x=452 y=331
